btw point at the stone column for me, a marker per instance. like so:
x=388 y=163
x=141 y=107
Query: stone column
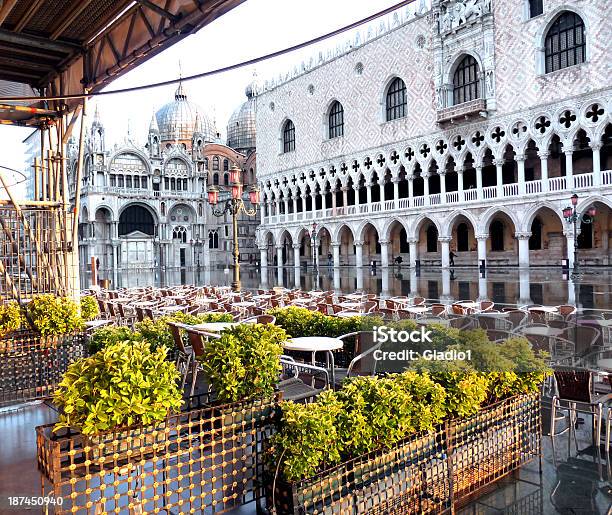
x=482 y=287
x=263 y=256
x=356 y=190
x=569 y=236
x=333 y=194
x=296 y=277
x=482 y=247
x=499 y=163
x=596 y=147
x=410 y=189
x=296 y=255
x=524 y=291
x=369 y=192
x=345 y=197
x=384 y=253
x=414 y=282
x=413 y=252
x=279 y=256
x=544 y=170
x=426 y=187
x=313 y=204
x=446 y=286
x=336 y=254
x=523 y=245
x=569 y=170
x=445 y=251
x=520 y=163
x=323 y=203
x=384 y=275
x=459 y=171
x=479 y=182
x=395 y=188
x=286 y=202
x=381 y=182
x=358 y=255
x=115 y=264
x=337 y=284
x=442 y=175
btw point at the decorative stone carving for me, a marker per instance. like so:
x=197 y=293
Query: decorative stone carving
x=455 y=13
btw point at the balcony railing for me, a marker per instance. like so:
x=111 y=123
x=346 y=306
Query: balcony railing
x=555 y=184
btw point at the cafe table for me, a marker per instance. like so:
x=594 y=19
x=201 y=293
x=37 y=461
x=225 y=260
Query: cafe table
x=215 y=327
x=351 y=305
x=314 y=344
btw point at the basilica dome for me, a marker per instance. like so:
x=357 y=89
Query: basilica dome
x=178 y=120
x=241 y=126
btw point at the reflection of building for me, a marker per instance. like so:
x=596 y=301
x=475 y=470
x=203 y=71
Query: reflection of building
x=466 y=129
x=144 y=206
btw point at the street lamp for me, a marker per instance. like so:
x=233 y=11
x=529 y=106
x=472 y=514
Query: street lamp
x=234 y=205
x=572 y=216
x=313 y=236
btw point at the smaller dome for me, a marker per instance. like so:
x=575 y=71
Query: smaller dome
x=241 y=127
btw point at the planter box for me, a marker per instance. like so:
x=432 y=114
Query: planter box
x=207 y=458
x=33 y=365
x=427 y=473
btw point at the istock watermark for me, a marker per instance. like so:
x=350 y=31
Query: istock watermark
x=384 y=334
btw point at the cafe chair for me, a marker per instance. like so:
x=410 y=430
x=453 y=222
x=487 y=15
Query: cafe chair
x=362 y=362
x=260 y=319
x=293 y=388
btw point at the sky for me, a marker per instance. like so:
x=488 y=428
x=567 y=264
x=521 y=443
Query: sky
x=254 y=28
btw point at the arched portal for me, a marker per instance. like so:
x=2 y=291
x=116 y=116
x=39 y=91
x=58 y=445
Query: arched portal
x=398 y=246
x=136 y=218
x=371 y=245
x=347 y=246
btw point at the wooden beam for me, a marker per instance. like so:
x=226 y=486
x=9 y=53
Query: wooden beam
x=159 y=10
x=37 y=42
x=72 y=13
x=6 y=9
x=28 y=15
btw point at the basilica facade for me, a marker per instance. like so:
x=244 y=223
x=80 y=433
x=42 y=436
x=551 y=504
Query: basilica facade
x=454 y=134
x=144 y=204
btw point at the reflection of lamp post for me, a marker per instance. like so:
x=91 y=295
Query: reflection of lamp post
x=234 y=205
x=572 y=216
x=313 y=236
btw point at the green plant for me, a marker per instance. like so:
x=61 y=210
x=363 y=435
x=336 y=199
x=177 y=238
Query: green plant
x=201 y=318
x=309 y=440
x=244 y=362
x=428 y=399
x=89 y=308
x=11 y=318
x=125 y=383
x=54 y=316
x=110 y=335
x=156 y=332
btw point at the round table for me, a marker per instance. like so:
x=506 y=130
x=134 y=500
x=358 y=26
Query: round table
x=350 y=314
x=493 y=314
x=316 y=344
x=215 y=327
x=263 y=296
x=172 y=309
x=544 y=309
x=469 y=304
x=428 y=321
x=355 y=296
x=551 y=332
x=316 y=293
x=302 y=301
x=351 y=305
x=416 y=309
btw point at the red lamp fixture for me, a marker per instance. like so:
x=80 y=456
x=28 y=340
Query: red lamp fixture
x=254 y=195
x=213 y=196
x=236 y=190
x=234 y=175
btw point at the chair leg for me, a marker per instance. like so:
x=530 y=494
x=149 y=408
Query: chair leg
x=553 y=414
x=187 y=364
x=194 y=377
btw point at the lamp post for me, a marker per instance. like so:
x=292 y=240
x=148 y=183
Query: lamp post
x=313 y=237
x=572 y=216
x=234 y=205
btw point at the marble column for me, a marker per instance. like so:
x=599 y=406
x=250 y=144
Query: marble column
x=395 y=189
x=279 y=256
x=569 y=170
x=479 y=182
x=337 y=285
x=413 y=252
x=445 y=244
x=345 y=197
x=313 y=204
x=336 y=254
x=524 y=291
x=482 y=287
x=482 y=247
x=358 y=255
x=426 y=187
x=286 y=203
x=414 y=282
x=296 y=255
x=384 y=275
x=334 y=201
x=384 y=253
x=499 y=163
x=323 y=203
x=446 y=286
x=544 y=170
x=297 y=277
x=569 y=236
x=369 y=193
x=410 y=189
x=596 y=147
x=459 y=171
x=520 y=163
x=263 y=256
x=523 y=247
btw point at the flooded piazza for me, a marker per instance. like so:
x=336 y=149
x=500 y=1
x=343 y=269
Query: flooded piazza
x=548 y=286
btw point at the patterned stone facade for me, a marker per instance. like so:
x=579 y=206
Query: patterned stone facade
x=503 y=165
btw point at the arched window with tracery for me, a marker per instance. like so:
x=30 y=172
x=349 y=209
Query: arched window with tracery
x=180 y=233
x=396 y=100
x=565 y=44
x=288 y=136
x=466 y=81
x=336 y=120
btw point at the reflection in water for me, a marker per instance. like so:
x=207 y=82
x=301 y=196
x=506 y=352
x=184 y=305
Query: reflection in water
x=507 y=285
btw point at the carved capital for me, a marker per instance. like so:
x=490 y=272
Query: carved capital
x=484 y=237
x=444 y=239
x=522 y=235
x=358 y=243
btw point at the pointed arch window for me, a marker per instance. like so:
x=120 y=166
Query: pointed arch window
x=565 y=44
x=288 y=137
x=216 y=163
x=462 y=238
x=535 y=240
x=396 y=100
x=497 y=236
x=432 y=239
x=336 y=120
x=466 y=85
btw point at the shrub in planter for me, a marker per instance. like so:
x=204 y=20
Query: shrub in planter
x=89 y=308
x=155 y=332
x=11 y=318
x=309 y=439
x=427 y=398
x=54 y=316
x=110 y=335
x=125 y=383
x=244 y=362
